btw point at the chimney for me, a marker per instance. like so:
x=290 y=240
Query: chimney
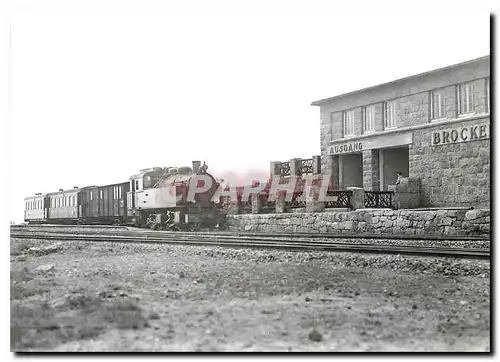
x=75 y=187
x=196 y=166
x=61 y=190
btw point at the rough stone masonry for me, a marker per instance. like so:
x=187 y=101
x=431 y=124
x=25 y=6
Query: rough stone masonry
x=395 y=222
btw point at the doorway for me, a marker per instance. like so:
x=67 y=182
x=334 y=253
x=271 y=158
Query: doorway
x=392 y=161
x=351 y=170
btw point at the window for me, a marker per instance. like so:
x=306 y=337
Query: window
x=101 y=194
x=70 y=200
x=487 y=94
x=348 y=123
x=465 y=98
x=438 y=105
x=90 y=195
x=369 y=119
x=119 y=192
x=389 y=117
x=137 y=184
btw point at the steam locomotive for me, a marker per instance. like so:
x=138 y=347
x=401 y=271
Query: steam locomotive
x=152 y=198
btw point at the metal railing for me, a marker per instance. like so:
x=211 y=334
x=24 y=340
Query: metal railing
x=378 y=199
x=341 y=199
x=284 y=169
x=298 y=200
x=306 y=167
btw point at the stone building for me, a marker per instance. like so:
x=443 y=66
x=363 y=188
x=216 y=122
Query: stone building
x=432 y=127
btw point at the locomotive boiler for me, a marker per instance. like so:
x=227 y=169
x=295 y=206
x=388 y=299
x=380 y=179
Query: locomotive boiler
x=159 y=194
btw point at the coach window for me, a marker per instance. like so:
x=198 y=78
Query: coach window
x=90 y=195
x=137 y=184
x=101 y=194
x=120 y=192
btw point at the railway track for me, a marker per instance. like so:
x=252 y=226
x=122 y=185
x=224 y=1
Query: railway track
x=284 y=241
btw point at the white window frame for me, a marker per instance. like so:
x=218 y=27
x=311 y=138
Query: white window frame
x=441 y=106
x=389 y=114
x=369 y=122
x=469 y=104
x=348 y=122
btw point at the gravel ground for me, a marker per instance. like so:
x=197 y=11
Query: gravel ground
x=82 y=296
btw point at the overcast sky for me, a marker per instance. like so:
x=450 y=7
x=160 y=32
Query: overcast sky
x=99 y=93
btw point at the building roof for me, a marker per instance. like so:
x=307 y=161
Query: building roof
x=321 y=101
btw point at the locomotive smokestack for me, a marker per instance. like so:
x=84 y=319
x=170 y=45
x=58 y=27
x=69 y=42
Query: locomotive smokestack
x=196 y=166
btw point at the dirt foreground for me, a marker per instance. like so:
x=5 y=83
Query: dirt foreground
x=70 y=296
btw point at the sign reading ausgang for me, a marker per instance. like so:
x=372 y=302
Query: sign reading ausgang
x=346 y=148
x=461 y=134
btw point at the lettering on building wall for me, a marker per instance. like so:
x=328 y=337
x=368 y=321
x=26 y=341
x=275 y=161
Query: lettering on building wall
x=346 y=148
x=461 y=134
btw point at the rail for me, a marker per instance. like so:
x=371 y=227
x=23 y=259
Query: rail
x=284 y=242
x=378 y=199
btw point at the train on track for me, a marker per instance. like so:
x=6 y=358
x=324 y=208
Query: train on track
x=154 y=198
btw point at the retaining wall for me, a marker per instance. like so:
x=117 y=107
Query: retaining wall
x=399 y=222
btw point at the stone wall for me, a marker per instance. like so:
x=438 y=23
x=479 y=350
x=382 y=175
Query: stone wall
x=394 y=222
x=451 y=174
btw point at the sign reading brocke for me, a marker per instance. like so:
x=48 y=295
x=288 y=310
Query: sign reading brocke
x=461 y=134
